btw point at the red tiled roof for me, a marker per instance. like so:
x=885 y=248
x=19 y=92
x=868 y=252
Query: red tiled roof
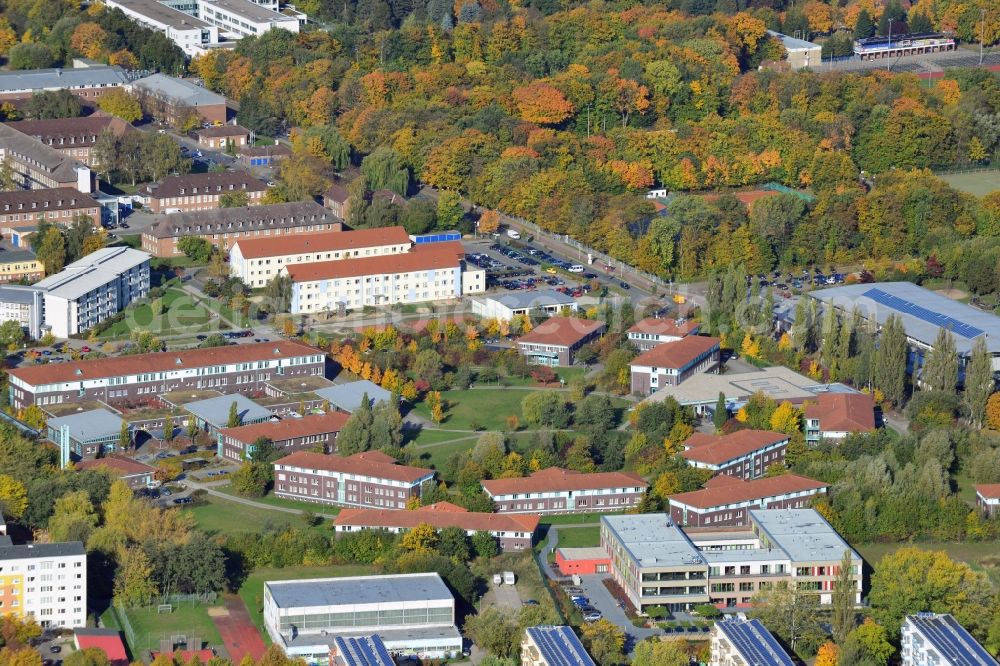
x=676 y=354
x=739 y=490
x=562 y=331
x=656 y=326
x=843 y=412
x=557 y=479
x=288 y=428
x=438 y=517
x=717 y=449
x=124 y=466
x=420 y=258
x=988 y=490
x=327 y=241
x=40 y=201
x=109 y=643
x=365 y=464
x=51 y=373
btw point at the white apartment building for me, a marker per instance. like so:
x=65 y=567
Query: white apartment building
x=934 y=639
x=45 y=581
x=431 y=272
x=737 y=641
x=243 y=18
x=256 y=261
x=185 y=30
x=92 y=289
x=23 y=305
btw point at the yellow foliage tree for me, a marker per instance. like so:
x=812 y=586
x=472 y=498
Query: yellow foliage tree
x=785 y=342
x=421 y=539
x=750 y=347
x=666 y=484
x=786 y=418
x=123 y=58
x=118 y=102
x=88 y=40
x=828 y=655
x=13 y=496
x=489 y=222
x=993 y=411
x=8 y=37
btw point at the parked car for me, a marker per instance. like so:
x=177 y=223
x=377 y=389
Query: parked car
x=183 y=500
x=592 y=617
x=624 y=285
x=576 y=268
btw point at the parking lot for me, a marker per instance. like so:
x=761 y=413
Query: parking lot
x=600 y=599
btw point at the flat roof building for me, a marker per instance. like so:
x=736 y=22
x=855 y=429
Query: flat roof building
x=558 y=490
x=737 y=641
x=212 y=414
x=134 y=473
x=242 y=18
x=85 y=82
x=411 y=613
x=935 y=639
x=547 y=645
x=524 y=303
x=348 y=397
x=801 y=53
x=23 y=305
x=360 y=651
x=85 y=434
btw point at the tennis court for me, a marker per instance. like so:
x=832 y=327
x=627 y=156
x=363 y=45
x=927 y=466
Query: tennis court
x=976 y=183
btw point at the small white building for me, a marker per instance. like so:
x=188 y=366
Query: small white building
x=411 y=613
x=934 y=639
x=505 y=307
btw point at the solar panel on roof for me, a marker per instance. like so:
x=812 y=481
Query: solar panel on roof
x=363 y=651
x=954 y=643
x=559 y=646
x=755 y=643
x=957 y=327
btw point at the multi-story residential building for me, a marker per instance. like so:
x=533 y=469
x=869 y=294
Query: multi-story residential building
x=44 y=581
x=135 y=474
x=670 y=363
x=17 y=265
x=727 y=500
x=23 y=305
x=654 y=562
x=73 y=137
x=92 y=289
x=557 y=490
x=988 y=498
x=368 y=479
x=223 y=137
x=62 y=205
x=36 y=166
x=725 y=567
x=258 y=260
x=225 y=226
x=85 y=434
x=315 y=431
x=200 y=191
x=556 y=340
x=237 y=19
x=524 y=303
x=936 y=639
x=172 y=100
x=191 y=34
x=834 y=416
x=87 y=83
x=745 y=453
x=512 y=532
x=652 y=331
x=737 y=641
x=236 y=369
x=424 y=273
x=553 y=646
x=411 y=613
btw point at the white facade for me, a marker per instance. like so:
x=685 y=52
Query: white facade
x=242 y=18
x=507 y=306
x=23 y=305
x=45 y=581
x=932 y=639
x=258 y=271
x=183 y=29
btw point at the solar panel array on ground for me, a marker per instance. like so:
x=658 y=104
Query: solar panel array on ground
x=559 y=646
x=967 y=331
x=362 y=651
x=755 y=643
x=953 y=642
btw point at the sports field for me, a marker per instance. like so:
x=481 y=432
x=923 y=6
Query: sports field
x=976 y=183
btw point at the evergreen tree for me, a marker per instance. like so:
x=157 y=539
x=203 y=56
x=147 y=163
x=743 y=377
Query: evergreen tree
x=800 y=326
x=979 y=382
x=765 y=318
x=168 y=427
x=862 y=362
x=356 y=435
x=830 y=335
x=895 y=12
x=387 y=426
x=844 y=616
x=940 y=369
x=864 y=27
x=721 y=414
x=234 y=420
x=920 y=24
x=890 y=361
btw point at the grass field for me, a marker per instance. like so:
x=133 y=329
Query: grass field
x=978 y=183
x=983 y=557
x=489 y=408
x=429 y=436
x=180 y=315
x=572 y=518
x=220 y=516
x=285 y=503
x=579 y=537
x=188 y=620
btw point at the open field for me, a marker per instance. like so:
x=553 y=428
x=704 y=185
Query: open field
x=579 y=537
x=188 y=620
x=489 y=408
x=285 y=503
x=977 y=183
x=572 y=518
x=181 y=314
x=219 y=516
x=983 y=557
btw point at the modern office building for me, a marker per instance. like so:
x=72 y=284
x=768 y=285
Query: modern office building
x=368 y=479
x=524 y=303
x=726 y=501
x=92 y=289
x=670 y=363
x=512 y=532
x=653 y=331
x=737 y=641
x=411 y=613
x=424 y=273
x=240 y=368
x=556 y=340
x=83 y=435
x=45 y=581
x=558 y=490
x=935 y=639
x=74 y=137
x=191 y=34
x=237 y=19
x=546 y=645
x=200 y=191
x=257 y=261
x=36 y=166
x=834 y=416
x=225 y=226
x=87 y=83
x=172 y=100
x=313 y=431
x=745 y=453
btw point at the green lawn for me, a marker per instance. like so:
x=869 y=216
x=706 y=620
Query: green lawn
x=252 y=590
x=579 y=537
x=572 y=518
x=983 y=557
x=285 y=503
x=568 y=374
x=489 y=408
x=150 y=626
x=220 y=516
x=437 y=456
x=181 y=314
x=976 y=183
x=430 y=437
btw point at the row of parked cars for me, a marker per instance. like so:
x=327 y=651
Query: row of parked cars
x=590 y=614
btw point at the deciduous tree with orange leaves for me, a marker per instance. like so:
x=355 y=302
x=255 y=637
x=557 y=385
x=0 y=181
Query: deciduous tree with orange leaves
x=88 y=40
x=543 y=104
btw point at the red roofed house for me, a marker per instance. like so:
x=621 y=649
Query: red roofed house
x=135 y=474
x=745 y=453
x=557 y=339
x=837 y=415
x=727 y=500
x=513 y=532
x=557 y=490
x=291 y=434
x=671 y=363
x=988 y=498
x=652 y=331
x=108 y=641
x=368 y=479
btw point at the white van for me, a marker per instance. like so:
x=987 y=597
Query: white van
x=576 y=268
x=514 y=233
